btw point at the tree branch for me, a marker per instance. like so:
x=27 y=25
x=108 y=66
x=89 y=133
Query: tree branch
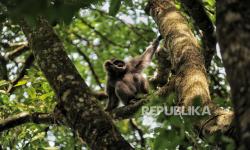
x=130 y=26
x=190 y=80
x=196 y=9
x=27 y=64
x=91 y=67
x=29 y=61
x=127 y=111
x=25 y=117
x=186 y=58
x=140 y=132
x=100 y=95
x=17 y=52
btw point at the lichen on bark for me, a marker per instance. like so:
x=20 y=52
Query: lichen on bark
x=189 y=80
x=80 y=110
x=186 y=58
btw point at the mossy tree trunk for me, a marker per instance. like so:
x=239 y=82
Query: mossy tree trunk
x=189 y=80
x=80 y=110
x=186 y=58
x=197 y=11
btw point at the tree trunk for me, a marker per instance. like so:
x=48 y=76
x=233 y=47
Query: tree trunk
x=81 y=111
x=186 y=58
x=233 y=26
x=196 y=10
x=189 y=81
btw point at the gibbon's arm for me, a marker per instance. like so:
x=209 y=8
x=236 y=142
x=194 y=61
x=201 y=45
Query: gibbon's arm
x=138 y=63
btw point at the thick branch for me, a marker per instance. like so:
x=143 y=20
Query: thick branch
x=197 y=12
x=25 y=117
x=186 y=57
x=100 y=95
x=128 y=111
x=190 y=79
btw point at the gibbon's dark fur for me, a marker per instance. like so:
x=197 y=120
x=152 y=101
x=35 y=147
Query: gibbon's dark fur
x=125 y=80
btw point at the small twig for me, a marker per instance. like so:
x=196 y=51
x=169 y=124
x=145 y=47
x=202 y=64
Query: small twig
x=17 y=52
x=101 y=35
x=8 y=45
x=26 y=65
x=17 y=44
x=88 y=42
x=29 y=61
x=91 y=67
x=25 y=117
x=81 y=38
x=140 y=132
x=130 y=26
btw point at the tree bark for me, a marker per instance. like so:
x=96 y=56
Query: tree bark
x=233 y=26
x=26 y=117
x=81 y=111
x=3 y=69
x=186 y=58
x=201 y=19
x=189 y=81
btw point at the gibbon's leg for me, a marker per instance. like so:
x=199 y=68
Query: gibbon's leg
x=125 y=92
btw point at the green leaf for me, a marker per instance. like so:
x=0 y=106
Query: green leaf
x=44 y=96
x=22 y=82
x=38 y=136
x=32 y=92
x=114 y=7
x=52 y=148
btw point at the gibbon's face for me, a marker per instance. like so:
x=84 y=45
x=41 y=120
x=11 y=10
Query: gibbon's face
x=115 y=66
